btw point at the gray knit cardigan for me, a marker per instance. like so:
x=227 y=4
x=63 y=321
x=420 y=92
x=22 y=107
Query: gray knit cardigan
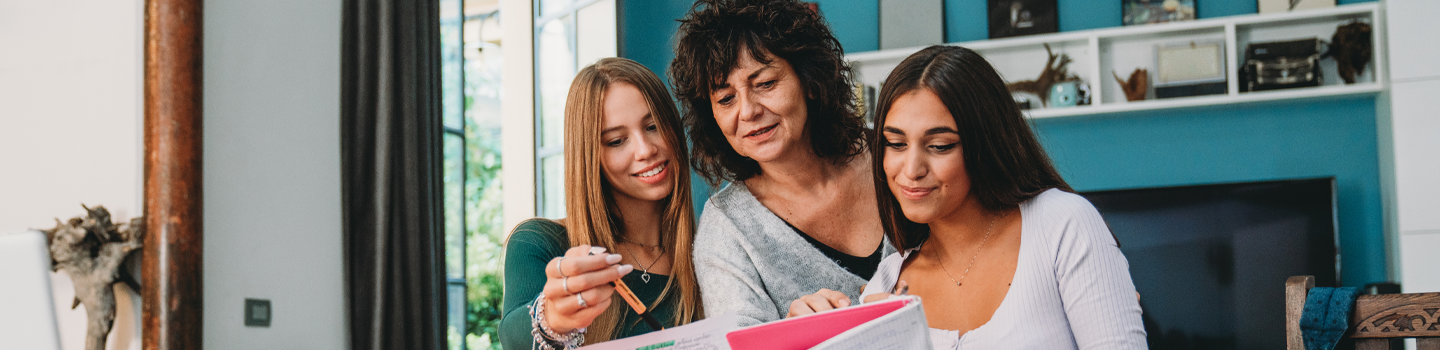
x=750 y=263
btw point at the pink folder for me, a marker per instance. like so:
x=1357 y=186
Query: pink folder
x=807 y=331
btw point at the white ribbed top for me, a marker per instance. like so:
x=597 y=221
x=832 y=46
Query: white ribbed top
x=1072 y=287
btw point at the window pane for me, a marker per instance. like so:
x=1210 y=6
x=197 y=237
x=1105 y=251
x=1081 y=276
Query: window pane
x=451 y=90
x=477 y=7
x=555 y=68
x=452 y=113
x=483 y=196
x=551 y=7
x=552 y=170
x=454 y=179
x=455 y=310
x=484 y=28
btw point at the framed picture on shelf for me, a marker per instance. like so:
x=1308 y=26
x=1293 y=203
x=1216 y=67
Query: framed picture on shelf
x=1022 y=17
x=1277 y=6
x=1190 y=69
x=1158 y=11
x=911 y=23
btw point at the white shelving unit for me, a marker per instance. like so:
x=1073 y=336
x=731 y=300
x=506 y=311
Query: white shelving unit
x=1099 y=52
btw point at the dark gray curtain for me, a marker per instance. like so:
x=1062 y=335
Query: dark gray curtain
x=391 y=182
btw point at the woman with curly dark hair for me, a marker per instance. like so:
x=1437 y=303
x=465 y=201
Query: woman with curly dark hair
x=765 y=93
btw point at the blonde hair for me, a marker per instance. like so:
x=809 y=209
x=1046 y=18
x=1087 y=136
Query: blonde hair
x=591 y=215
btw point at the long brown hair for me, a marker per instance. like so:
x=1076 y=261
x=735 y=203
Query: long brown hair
x=1005 y=161
x=593 y=218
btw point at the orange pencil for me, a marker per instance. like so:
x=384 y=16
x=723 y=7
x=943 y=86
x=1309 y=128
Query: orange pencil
x=630 y=298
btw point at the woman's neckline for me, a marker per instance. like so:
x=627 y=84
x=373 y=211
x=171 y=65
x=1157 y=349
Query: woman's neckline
x=1020 y=261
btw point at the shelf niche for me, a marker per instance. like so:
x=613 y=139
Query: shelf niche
x=1100 y=54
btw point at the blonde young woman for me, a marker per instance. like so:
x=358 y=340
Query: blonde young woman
x=627 y=198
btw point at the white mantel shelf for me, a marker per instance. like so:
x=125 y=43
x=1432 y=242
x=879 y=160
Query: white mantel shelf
x=1096 y=47
x=1213 y=100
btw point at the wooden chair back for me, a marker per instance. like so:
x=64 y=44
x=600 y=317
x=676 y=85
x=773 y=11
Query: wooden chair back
x=1375 y=320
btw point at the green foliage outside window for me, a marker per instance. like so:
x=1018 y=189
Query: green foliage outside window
x=484 y=239
x=484 y=236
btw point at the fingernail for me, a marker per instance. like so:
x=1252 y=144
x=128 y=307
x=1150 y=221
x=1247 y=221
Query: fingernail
x=597 y=250
x=845 y=302
x=625 y=269
x=612 y=258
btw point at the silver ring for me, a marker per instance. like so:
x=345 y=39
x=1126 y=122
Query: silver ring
x=557 y=268
x=581 y=300
x=565 y=284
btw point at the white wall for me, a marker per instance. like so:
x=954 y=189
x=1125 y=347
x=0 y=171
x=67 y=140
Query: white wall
x=518 y=106
x=1414 y=124
x=70 y=133
x=272 y=173
x=70 y=129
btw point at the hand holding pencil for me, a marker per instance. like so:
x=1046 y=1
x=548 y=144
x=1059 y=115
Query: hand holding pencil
x=634 y=301
x=579 y=286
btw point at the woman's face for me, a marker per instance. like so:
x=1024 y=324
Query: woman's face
x=924 y=165
x=636 y=158
x=761 y=109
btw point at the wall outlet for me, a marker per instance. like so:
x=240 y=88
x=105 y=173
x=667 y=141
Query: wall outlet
x=257 y=313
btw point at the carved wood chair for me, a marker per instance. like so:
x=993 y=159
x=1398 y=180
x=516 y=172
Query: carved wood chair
x=1376 y=319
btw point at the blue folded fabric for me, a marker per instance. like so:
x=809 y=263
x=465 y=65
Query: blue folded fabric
x=1326 y=316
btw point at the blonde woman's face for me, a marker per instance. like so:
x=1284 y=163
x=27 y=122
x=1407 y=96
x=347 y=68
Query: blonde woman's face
x=924 y=165
x=636 y=158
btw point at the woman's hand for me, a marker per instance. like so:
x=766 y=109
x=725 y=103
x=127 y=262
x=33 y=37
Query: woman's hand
x=876 y=297
x=901 y=288
x=587 y=277
x=822 y=300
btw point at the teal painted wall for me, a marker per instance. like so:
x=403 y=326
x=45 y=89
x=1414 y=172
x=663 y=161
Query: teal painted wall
x=1223 y=144
x=1217 y=144
x=647 y=28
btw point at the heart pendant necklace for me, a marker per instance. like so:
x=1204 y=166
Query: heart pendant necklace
x=644 y=270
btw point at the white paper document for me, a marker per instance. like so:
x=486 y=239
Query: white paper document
x=902 y=328
x=707 y=334
x=905 y=328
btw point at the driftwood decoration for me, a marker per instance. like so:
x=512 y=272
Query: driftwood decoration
x=1351 y=48
x=91 y=250
x=1054 y=72
x=1136 y=87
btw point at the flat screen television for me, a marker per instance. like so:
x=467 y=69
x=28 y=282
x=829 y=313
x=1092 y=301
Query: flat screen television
x=1210 y=261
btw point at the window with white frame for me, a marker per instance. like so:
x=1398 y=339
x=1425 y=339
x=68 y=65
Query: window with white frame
x=569 y=34
x=471 y=67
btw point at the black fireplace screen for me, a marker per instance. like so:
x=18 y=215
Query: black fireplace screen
x=1210 y=261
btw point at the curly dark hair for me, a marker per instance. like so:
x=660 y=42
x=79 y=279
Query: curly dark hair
x=713 y=35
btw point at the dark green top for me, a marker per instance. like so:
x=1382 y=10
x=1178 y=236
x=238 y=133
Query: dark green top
x=529 y=251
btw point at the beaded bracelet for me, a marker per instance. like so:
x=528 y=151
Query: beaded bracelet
x=546 y=338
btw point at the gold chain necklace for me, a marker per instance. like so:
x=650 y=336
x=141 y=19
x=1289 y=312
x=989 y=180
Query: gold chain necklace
x=939 y=259
x=642 y=245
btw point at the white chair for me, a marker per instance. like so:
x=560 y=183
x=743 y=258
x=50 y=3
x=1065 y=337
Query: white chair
x=27 y=307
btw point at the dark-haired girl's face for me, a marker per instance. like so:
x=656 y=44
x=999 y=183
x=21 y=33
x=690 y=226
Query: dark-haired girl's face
x=761 y=109
x=924 y=165
x=635 y=157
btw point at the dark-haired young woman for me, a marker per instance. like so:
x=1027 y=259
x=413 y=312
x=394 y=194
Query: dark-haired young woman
x=765 y=94
x=990 y=236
